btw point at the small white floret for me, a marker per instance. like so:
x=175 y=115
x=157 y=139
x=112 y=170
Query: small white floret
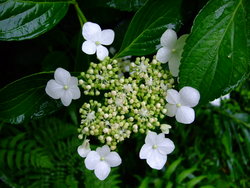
x=64 y=87
x=156 y=149
x=95 y=39
x=180 y=104
x=171 y=50
x=84 y=149
x=101 y=161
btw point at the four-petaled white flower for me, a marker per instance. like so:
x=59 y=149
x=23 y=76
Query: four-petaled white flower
x=180 y=103
x=171 y=50
x=101 y=160
x=95 y=39
x=64 y=87
x=156 y=149
x=84 y=149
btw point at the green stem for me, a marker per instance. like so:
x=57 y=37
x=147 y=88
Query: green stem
x=80 y=14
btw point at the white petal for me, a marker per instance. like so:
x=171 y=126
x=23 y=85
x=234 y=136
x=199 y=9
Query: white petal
x=189 y=96
x=89 y=47
x=166 y=146
x=185 y=115
x=151 y=138
x=73 y=81
x=181 y=42
x=92 y=159
x=103 y=151
x=102 y=170
x=75 y=92
x=54 y=90
x=102 y=52
x=171 y=110
x=160 y=137
x=173 y=97
x=83 y=151
x=145 y=151
x=174 y=64
x=169 y=39
x=66 y=98
x=73 y=88
x=91 y=31
x=163 y=55
x=107 y=36
x=156 y=160
x=113 y=159
x=62 y=76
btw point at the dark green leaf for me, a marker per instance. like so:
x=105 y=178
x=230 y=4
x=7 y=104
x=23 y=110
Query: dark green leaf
x=22 y=19
x=26 y=99
x=147 y=26
x=215 y=58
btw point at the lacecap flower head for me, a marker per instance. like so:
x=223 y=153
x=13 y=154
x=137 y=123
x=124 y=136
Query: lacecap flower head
x=171 y=50
x=64 y=87
x=180 y=104
x=95 y=39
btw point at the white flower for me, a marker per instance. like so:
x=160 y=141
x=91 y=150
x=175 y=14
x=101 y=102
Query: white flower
x=179 y=104
x=165 y=128
x=171 y=50
x=95 y=39
x=101 y=160
x=84 y=149
x=155 y=150
x=217 y=102
x=64 y=87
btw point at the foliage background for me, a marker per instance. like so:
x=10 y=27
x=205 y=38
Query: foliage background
x=212 y=152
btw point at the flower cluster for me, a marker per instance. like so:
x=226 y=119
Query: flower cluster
x=128 y=97
x=131 y=104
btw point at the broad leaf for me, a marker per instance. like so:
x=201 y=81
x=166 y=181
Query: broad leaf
x=26 y=99
x=215 y=58
x=22 y=19
x=147 y=26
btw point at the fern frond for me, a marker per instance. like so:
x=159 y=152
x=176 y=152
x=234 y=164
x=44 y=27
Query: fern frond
x=18 y=152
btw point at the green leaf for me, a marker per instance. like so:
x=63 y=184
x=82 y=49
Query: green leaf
x=26 y=99
x=128 y=5
x=184 y=174
x=172 y=168
x=215 y=58
x=147 y=26
x=195 y=181
x=22 y=19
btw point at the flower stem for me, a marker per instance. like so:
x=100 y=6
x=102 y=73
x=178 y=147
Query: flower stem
x=80 y=14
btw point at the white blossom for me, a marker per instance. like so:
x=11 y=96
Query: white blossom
x=171 y=50
x=165 y=128
x=84 y=149
x=156 y=149
x=217 y=102
x=101 y=160
x=64 y=87
x=95 y=39
x=180 y=103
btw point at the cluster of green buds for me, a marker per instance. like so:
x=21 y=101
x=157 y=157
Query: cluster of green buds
x=129 y=104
